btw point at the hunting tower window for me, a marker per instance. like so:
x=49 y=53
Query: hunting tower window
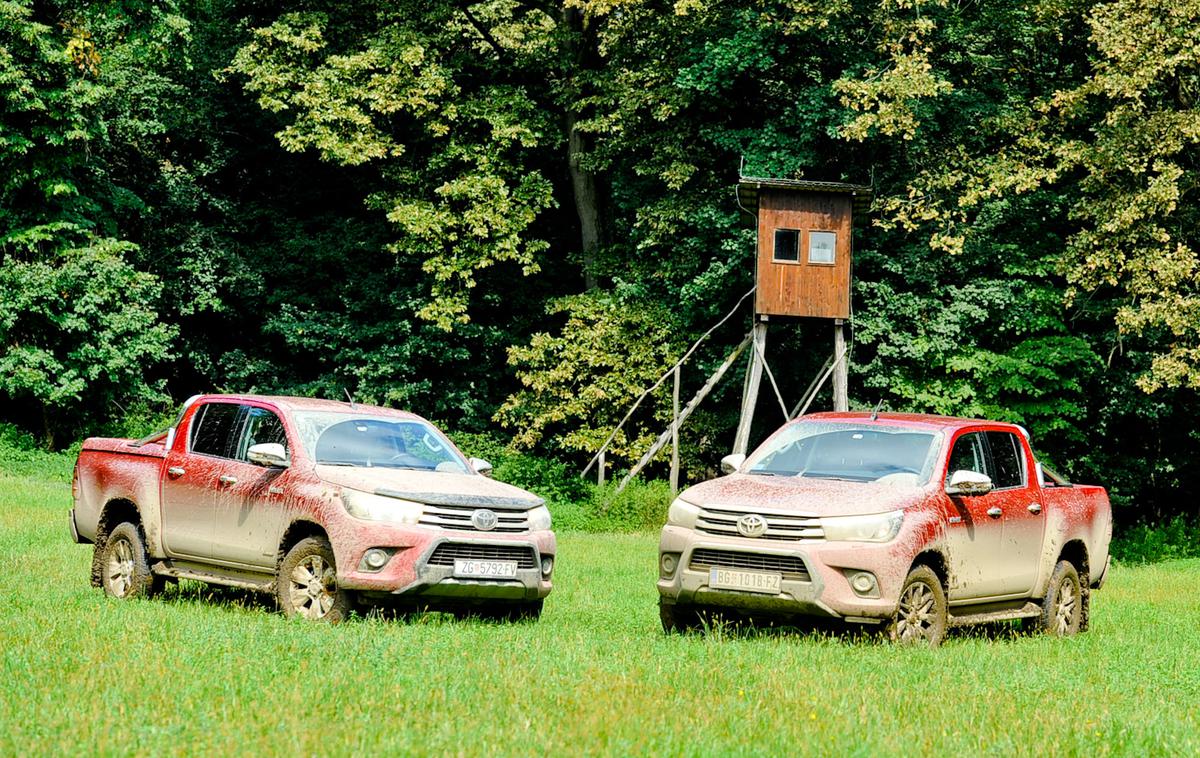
x=787 y=245
x=822 y=247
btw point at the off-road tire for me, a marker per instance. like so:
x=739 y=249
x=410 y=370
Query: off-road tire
x=123 y=565
x=921 y=610
x=679 y=618
x=1065 y=604
x=307 y=583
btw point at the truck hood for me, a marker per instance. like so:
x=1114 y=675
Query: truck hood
x=820 y=497
x=433 y=487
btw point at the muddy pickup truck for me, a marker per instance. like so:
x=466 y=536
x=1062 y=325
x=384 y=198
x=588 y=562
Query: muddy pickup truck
x=324 y=504
x=911 y=523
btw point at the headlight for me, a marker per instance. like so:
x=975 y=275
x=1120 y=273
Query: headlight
x=539 y=518
x=877 y=527
x=683 y=513
x=364 y=505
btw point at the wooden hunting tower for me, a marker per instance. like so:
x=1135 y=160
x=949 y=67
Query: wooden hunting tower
x=802 y=269
x=804 y=245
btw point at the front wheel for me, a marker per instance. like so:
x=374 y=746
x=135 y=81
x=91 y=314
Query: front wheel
x=921 y=614
x=307 y=583
x=1065 y=604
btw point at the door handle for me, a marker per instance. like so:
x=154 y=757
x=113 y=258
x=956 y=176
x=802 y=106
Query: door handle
x=227 y=479
x=994 y=511
x=175 y=472
x=1035 y=508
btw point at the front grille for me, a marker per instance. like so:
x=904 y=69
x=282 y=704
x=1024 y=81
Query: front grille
x=458 y=517
x=446 y=553
x=790 y=566
x=780 y=526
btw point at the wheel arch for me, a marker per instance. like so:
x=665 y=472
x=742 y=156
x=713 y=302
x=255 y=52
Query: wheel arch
x=1075 y=552
x=298 y=530
x=936 y=561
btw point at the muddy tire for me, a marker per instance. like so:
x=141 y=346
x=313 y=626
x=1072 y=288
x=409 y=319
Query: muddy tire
x=921 y=612
x=679 y=619
x=307 y=583
x=124 y=568
x=1064 y=606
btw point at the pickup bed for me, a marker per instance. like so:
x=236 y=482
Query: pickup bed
x=324 y=504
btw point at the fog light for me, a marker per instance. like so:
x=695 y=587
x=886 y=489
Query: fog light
x=669 y=562
x=375 y=558
x=863 y=582
x=547 y=565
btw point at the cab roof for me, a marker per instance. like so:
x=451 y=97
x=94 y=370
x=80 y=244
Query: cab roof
x=917 y=420
x=290 y=403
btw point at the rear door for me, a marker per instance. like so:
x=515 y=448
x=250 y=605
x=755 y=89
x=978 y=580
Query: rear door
x=193 y=479
x=974 y=536
x=1019 y=497
x=248 y=518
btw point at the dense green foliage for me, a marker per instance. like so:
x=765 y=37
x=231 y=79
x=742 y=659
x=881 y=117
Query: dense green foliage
x=218 y=670
x=517 y=213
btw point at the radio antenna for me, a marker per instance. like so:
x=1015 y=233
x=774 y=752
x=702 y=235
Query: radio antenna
x=353 y=407
x=875 y=413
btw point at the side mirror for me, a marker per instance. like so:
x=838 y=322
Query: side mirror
x=731 y=463
x=481 y=466
x=268 y=454
x=964 y=482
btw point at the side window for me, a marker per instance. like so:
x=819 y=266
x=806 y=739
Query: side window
x=213 y=427
x=1006 y=459
x=822 y=247
x=968 y=455
x=261 y=426
x=787 y=245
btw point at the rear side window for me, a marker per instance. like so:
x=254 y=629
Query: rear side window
x=1006 y=460
x=261 y=426
x=213 y=427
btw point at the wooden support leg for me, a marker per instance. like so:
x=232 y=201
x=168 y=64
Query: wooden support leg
x=750 y=392
x=675 y=436
x=841 y=368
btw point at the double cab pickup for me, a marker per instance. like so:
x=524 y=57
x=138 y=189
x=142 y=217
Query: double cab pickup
x=910 y=522
x=324 y=504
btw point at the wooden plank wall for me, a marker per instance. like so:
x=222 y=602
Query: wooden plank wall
x=803 y=289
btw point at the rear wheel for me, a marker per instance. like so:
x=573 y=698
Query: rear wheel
x=921 y=613
x=1064 y=606
x=124 y=569
x=679 y=618
x=307 y=583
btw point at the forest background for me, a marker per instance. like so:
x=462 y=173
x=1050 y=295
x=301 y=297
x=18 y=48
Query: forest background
x=511 y=216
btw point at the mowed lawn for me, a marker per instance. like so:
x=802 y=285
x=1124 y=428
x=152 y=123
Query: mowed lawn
x=203 y=671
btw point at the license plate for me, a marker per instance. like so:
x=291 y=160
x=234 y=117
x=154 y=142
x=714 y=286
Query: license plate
x=486 y=569
x=746 y=581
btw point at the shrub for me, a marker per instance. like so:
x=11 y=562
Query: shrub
x=1150 y=543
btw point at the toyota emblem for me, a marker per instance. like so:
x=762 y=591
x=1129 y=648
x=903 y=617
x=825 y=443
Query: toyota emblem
x=752 y=525
x=484 y=520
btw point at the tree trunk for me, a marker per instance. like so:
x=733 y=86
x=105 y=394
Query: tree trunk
x=581 y=47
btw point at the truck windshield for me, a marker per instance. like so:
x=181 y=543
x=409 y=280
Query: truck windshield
x=349 y=439
x=854 y=452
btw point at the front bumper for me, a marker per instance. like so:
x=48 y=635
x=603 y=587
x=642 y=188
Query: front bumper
x=825 y=592
x=410 y=573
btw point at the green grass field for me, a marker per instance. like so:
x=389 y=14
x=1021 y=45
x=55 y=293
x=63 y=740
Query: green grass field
x=211 y=671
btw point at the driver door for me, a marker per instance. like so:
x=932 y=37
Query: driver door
x=974 y=536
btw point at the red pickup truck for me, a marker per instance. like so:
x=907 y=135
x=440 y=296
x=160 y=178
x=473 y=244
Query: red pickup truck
x=324 y=504
x=912 y=522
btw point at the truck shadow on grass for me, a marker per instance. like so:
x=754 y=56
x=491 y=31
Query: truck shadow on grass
x=200 y=594
x=821 y=631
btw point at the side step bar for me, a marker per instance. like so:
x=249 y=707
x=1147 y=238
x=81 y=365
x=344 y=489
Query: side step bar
x=248 y=580
x=983 y=615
